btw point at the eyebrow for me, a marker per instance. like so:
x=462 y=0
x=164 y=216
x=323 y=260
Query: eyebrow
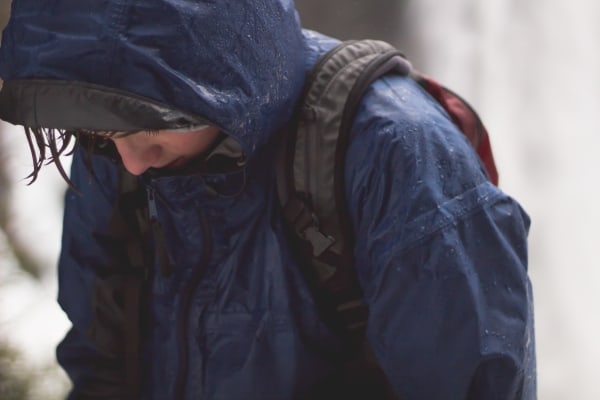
x=105 y=134
x=122 y=134
x=118 y=135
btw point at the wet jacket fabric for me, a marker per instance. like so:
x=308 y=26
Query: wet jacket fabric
x=440 y=252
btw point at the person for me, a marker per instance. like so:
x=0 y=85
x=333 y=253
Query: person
x=190 y=96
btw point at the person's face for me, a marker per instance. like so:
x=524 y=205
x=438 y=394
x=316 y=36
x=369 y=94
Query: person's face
x=163 y=149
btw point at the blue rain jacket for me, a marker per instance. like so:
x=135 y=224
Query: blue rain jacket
x=440 y=252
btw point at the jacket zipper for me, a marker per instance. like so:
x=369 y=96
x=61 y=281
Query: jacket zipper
x=160 y=244
x=186 y=299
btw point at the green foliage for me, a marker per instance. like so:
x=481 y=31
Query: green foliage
x=19 y=380
x=15 y=382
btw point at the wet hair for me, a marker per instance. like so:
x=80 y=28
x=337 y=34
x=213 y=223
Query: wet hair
x=47 y=145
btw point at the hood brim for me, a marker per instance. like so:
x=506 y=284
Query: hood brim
x=72 y=105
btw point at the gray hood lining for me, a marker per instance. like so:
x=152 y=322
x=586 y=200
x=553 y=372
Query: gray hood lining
x=73 y=105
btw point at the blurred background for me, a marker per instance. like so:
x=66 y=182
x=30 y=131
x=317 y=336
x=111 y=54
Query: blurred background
x=532 y=70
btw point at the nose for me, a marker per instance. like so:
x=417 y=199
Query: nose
x=136 y=153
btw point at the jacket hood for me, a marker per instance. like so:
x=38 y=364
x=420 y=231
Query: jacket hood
x=153 y=64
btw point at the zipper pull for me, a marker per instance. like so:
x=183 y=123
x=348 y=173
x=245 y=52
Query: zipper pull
x=160 y=245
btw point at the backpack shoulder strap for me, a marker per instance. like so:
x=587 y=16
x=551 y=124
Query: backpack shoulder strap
x=314 y=151
x=312 y=158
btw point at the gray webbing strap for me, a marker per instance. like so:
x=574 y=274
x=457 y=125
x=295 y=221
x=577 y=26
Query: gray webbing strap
x=319 y=140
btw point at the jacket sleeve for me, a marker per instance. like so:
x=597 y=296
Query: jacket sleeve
x=441 y=254
x=89 y=290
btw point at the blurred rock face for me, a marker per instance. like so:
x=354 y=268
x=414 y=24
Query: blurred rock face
x=353 y=19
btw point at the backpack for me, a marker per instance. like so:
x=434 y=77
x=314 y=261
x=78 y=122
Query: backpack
x=311 y=182
x=311 y=193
